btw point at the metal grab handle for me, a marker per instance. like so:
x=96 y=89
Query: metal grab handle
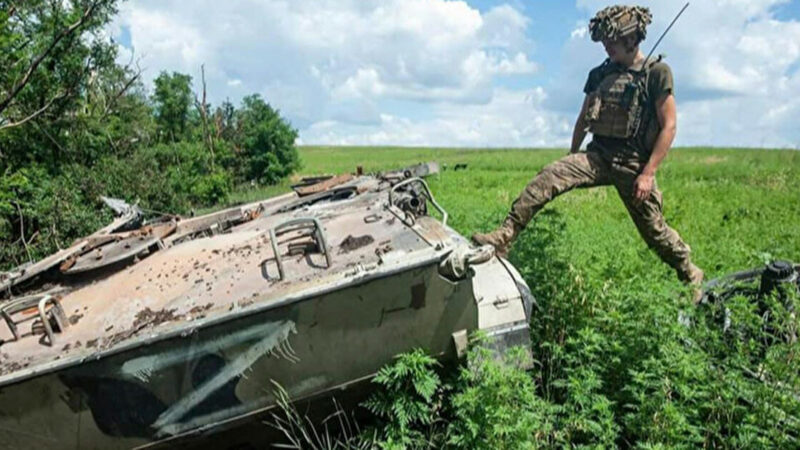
x=319 y=233
x=427 y=192
x=24 y=303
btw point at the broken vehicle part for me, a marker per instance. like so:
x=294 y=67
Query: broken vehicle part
x=177 y=328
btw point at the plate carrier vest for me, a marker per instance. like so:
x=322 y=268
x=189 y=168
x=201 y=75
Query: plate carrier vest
x=617 y=106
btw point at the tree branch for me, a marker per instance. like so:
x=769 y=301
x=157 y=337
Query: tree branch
x=38 y=60
x=120 y=93
x=22 y=231
x=50 y=137
x=33 y=115
x=203 y=108
x=111 y=141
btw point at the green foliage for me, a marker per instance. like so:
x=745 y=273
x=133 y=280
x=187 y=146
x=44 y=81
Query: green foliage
x=495 y=406
x=172 y=97
x=48 y=211
x=406 y=400
x=266 y=142
x=68 y=73
x=165 y=177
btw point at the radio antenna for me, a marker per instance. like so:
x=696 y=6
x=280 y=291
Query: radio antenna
x=665 y=33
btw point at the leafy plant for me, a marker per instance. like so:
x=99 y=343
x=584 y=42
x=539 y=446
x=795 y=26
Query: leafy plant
x=495 y=406
x=407 y=401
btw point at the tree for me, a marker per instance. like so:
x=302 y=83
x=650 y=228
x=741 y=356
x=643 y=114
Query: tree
x=172 y=98
x=266 y=141
x=23 y=53
x=225 y=121
x=51 y=53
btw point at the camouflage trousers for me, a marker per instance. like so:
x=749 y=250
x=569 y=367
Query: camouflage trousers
x=581 y=170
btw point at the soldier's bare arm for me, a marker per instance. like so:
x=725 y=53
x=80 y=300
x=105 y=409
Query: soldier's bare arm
x=667 y=118
x=579 y=133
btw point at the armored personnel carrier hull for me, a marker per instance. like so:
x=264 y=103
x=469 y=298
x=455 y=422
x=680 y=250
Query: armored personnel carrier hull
x=144 y=335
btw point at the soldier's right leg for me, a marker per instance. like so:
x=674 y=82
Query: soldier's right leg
x=572 y=171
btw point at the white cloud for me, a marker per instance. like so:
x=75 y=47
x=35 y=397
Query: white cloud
x=314 y=58
x=429 y=72
x=579 y=32
x=509 y=119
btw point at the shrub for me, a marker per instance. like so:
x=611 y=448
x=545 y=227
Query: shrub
x=406 y=401
x=495 y=406
x=46 y=212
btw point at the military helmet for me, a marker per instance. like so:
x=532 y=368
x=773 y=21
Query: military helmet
x=618 y=21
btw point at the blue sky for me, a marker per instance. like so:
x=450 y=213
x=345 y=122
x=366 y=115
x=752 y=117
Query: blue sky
x=476 y=73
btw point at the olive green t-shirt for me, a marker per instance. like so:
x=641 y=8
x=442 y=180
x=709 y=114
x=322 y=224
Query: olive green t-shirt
x=640 y=146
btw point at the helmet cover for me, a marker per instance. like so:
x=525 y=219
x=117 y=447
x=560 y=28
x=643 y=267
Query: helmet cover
x=615 y=22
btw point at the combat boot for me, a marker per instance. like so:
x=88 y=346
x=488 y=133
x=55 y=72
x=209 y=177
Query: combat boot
x=500 y=239
x=693 y=276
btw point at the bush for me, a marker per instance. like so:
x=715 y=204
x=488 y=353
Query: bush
x=488 y=404
x=46 y=212
x=406 y=402
x=54 y=210
x=266 y=142
x=495 y=406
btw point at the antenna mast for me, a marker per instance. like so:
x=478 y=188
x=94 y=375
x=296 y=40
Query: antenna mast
x=665 y=33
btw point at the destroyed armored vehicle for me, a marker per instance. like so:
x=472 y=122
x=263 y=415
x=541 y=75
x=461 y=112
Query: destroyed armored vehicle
x=150 y=332
x=778 y=281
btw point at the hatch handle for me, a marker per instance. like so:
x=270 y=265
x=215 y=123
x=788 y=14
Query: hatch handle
x=427 y=192
x=295 y=224
x=40 y=302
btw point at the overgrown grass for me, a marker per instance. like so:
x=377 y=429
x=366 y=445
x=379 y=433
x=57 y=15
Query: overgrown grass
x=614 y=367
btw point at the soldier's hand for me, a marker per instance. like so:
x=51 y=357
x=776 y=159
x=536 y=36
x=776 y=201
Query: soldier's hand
x=642 y=187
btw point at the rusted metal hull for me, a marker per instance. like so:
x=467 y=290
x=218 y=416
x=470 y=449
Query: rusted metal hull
x=225 y=371
x=185 y=326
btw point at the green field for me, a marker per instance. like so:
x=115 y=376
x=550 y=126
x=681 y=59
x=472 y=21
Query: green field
x=613 y=365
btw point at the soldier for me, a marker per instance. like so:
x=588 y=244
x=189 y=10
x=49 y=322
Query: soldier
x=630 y=110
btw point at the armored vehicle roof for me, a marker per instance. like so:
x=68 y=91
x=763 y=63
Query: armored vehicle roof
x=116 y=289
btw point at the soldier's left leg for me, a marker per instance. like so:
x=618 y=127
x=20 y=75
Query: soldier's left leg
x=649 y=220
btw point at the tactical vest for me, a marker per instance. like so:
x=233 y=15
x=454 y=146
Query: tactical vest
x=616 y=107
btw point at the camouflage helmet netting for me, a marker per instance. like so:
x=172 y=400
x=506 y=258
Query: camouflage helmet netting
x=617 y=21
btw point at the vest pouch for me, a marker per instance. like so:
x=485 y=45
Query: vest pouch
x=617 y=115
x=631 y=91
x=593 y=108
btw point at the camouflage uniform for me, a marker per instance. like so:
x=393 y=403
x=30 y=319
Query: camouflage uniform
x=588 y=169
x=609 y=160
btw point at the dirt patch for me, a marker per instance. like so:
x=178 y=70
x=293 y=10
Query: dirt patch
x=148 y=317
x=144 y=318
x=351 y=243
x=201 y=309
x=13 y=367
x=244 y=303
x=73 y=319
